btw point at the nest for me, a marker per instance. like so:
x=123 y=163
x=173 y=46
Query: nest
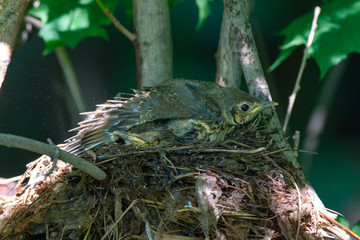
x=241 y=189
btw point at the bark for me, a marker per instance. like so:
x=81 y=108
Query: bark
x=228 y=68
x=11 y=17
x=153 y=46
x=246 y=48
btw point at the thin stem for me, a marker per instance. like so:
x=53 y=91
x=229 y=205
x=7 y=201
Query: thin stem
x=302 y=67
x=70 y=78
x=117 y=24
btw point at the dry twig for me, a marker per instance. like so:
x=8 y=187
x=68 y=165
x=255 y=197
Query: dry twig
x=302 y=67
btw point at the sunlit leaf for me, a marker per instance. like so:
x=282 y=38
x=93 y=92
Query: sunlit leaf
x=335 y=38
x=66 y=23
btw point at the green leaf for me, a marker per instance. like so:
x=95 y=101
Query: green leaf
x=356 y=228
x=204 y=11
x=335 y=38
x=66 y=23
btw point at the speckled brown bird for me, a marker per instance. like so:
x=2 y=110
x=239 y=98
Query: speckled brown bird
x=177 y=111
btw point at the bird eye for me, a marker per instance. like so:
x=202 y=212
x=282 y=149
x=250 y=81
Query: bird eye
x=244 y=107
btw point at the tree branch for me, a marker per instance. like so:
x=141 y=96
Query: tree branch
x=228 y=68
x=11 y=15
x=153 y=46
x=116 y=23
x=302 y=67
x=52 y=151
x=246 y=49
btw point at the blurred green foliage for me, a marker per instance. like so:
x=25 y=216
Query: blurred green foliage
x=356 y=228
x=343 y=221
x=204 y=11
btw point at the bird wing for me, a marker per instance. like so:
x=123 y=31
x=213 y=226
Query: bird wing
x=172 y=100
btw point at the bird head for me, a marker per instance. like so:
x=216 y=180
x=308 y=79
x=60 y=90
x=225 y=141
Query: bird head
x=246 y=111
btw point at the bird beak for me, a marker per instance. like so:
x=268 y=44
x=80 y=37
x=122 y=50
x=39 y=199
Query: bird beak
x=264 y=105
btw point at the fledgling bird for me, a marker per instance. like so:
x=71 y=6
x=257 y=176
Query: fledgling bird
x=176 y=111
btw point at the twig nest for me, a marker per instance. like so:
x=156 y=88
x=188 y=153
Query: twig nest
x=243 y=188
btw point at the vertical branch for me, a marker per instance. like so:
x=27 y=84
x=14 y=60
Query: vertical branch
x=302 y=68
x=153 y=46
x=11 y=15
x=247 y=52
x=228 y=68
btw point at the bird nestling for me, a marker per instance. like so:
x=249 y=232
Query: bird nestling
x=178 y=111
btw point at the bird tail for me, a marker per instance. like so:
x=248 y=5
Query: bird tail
x=119 y=114
x=95 y=129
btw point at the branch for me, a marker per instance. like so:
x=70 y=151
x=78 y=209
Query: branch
x=52 y=151
x=302 y=67
x=11 y=15
x=116 y=23
x=246 y=49
x=153 y=47
x=228 y=68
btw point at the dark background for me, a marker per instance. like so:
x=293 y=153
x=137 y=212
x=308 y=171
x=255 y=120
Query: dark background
x=35 y=103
